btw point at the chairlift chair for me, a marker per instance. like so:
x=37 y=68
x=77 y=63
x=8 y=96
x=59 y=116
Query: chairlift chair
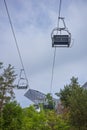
x=61 y=37
x=22 y=82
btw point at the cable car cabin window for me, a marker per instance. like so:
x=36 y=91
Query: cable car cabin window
x=60 y=41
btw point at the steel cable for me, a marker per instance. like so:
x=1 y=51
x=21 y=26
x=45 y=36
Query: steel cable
x=15 y=39
x=53 y=65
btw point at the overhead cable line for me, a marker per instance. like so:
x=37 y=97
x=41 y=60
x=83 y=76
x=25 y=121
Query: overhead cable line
x=59 y=12
x=15 y=39
x=53 y=69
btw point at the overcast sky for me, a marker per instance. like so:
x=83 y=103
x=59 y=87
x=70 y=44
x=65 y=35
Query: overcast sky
x=33 y=21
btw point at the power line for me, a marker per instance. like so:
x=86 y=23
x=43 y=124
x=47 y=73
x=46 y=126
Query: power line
x=60 y=3
x=15 y=39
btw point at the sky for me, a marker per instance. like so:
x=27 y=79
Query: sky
x=33 y=22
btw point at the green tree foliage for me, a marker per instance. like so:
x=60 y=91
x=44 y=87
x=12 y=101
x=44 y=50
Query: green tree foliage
x=66 y=93
x=49 y=102
x=73 y=108
x=78 y=109
x=74 y=99
x=43 y=120
x=7 y=78
x=33 y=120
x=12 y=116
x=56 y=122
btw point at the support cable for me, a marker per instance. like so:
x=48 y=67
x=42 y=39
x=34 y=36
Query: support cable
x=60 y=3
x=53 y=69
x=59 y=14
x=15 y=39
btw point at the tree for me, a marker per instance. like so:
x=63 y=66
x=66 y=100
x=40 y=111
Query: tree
x=43 y=120
x=66 y=93
x=49 y=102
x=56 y=122
x=74 y=100
x=34 y=120
x=12 y=116
x=7 y=78
x=78 y=109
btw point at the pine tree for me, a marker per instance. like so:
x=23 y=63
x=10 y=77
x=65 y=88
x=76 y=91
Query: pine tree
x=7 y=77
